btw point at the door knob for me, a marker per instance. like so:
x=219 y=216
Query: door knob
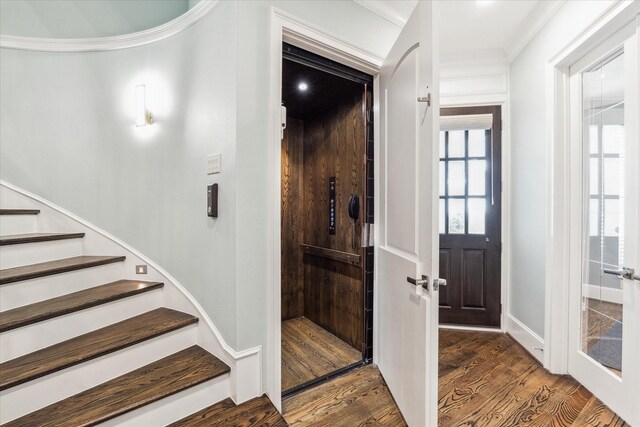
x=624 y=273
x=438 y=282
x=424 y=282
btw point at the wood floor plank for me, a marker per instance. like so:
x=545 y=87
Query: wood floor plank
x=597 y=414
x=357 y=398
x=32 y=271
x=17 y=239
x=504 y=386
x=48 y=309
x=91 y=345
x=310 y=352
x=253 y=413
x=130 y=391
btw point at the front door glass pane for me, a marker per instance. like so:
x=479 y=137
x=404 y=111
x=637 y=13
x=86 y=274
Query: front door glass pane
x=465 y=181
x=603 y=230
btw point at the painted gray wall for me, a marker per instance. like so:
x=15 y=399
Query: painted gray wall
x=85 y=18
x=527 y=88
x=67 y=134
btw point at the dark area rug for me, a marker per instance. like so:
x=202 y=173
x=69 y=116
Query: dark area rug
x=608 y=349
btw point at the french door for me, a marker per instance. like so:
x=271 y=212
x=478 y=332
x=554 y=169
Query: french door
x=604 y=352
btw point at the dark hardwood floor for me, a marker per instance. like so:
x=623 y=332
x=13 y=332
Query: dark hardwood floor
x=357 y=398
x=309 y=352
x=486 y=379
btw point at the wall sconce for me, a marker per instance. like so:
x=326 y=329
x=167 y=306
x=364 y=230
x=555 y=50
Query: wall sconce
x=143 y=116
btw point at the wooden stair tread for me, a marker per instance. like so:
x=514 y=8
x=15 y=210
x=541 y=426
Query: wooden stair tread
x=65 y=304
x=19 y=211
x=255 y=412
x=137 y=388
x=15 y=239
x=91 y=345
x=32 y=271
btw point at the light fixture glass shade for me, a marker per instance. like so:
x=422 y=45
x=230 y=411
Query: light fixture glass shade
x=141 y=106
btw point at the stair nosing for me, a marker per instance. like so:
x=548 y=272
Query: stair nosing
x=19 y=239
x=19 y=211
x=103 y=260
x=84 y=358
x=222 y=369
x=74 y=308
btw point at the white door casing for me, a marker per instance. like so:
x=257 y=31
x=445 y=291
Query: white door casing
x=407 y=314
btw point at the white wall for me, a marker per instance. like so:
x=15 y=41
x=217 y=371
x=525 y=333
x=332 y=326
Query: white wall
x=67 y=134
x=528 y=158
x=85 y=18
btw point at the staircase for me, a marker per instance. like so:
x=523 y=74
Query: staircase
x=84 y=343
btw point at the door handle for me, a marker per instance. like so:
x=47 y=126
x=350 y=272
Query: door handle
x=438 y=282
x=424 y=282
x=624 y=273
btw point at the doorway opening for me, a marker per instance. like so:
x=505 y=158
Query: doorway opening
x=470 y=216
x=326 y=215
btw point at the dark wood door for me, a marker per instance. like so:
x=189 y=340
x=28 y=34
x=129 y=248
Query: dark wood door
x=470 y=240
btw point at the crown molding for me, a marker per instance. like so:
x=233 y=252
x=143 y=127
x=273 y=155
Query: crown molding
x=317 y=40
x=531 y=26
x=126 y=41
x=382 y=11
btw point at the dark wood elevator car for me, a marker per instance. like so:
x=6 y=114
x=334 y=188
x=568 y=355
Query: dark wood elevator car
x=327 y=268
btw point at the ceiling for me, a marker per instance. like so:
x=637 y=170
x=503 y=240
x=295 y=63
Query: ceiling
x=324 y=91
x=498 y=29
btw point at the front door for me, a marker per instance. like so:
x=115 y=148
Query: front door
x=407 y=244
x=605 y=293
x=470 y=201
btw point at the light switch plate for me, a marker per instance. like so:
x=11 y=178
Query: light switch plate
x=141 y=269
x=214 y=164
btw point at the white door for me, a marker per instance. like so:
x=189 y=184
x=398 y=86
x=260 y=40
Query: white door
x=604 y=349
x=408 y=223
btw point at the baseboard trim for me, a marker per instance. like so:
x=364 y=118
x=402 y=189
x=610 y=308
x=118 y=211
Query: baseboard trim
x=469 y=328
x=528 y=339
x=602 y=293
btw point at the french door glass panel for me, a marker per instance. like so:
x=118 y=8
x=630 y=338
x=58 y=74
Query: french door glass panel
x=603 y=239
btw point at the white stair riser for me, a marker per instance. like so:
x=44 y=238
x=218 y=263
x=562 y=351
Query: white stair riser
x=36 y=394
x=20 y=341
x=176 y=407
x=25 y=292
x=18 y=224
x=33 y=253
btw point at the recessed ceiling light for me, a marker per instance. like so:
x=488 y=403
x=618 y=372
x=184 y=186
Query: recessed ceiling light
x=484 y=2
x=302 y=87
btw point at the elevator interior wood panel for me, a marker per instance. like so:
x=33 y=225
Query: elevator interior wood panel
x=324 y=138
x=292 y=220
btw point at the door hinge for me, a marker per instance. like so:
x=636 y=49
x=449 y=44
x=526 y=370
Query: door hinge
x=500 y=308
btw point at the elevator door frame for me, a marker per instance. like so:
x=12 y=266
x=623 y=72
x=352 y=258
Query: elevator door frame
x=285 y=27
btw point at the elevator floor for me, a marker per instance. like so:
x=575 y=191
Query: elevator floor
x=309 y=352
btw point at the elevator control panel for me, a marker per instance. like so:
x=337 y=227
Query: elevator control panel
x=332 y=205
